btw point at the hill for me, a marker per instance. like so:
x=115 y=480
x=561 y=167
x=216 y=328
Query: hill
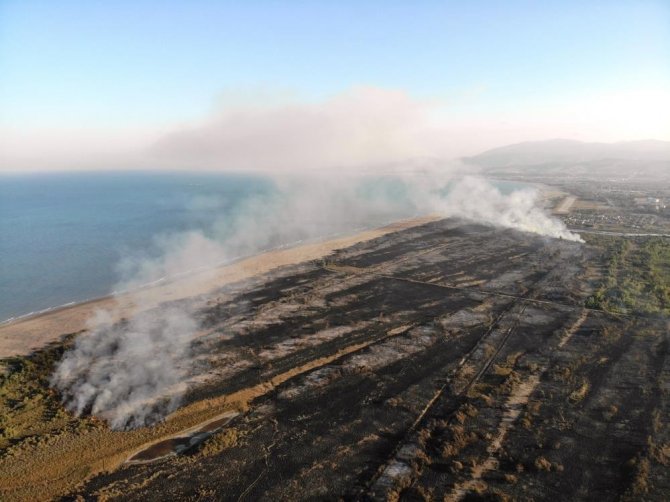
x=571 y=157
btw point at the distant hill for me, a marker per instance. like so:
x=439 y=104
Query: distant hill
x=561 y=151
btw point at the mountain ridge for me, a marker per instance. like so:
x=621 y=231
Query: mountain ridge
x=561 y=150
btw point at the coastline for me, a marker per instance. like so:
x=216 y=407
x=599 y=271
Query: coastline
x=23 y=335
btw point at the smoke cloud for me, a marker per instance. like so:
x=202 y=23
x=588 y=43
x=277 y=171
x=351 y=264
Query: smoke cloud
x=478 y=200
x=361 y=127
x=133 y=373
x=128 y=373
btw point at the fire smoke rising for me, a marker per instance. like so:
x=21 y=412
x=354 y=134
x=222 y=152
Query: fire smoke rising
x=128 y=373
x=478 y=200
x=132 y=373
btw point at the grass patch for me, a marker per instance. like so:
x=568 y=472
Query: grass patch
x=29 y=410
x=220 y=441
x=579 y=393
x=636 y=278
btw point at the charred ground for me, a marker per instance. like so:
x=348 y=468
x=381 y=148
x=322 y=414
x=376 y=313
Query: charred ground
x=446 y=361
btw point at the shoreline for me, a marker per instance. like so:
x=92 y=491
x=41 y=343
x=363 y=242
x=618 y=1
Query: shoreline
x=25 y=334
x=163 y=281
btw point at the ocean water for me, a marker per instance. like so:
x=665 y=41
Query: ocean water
x=62 y=235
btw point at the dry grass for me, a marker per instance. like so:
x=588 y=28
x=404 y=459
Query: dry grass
x=223 y=440
x=44 y=464
x=457 y=439
x=580 y=393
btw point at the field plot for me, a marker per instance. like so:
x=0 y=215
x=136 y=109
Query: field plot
x=447 y=361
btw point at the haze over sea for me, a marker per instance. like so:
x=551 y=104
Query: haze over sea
x=63 y=235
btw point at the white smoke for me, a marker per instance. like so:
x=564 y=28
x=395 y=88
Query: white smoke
x=478 y=200
x=133 y=373
x=360 y=127
x=128 y=373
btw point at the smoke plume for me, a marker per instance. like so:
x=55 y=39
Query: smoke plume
x=360 y=127
x=128 y=373
x=132 y=373
x=478 y=200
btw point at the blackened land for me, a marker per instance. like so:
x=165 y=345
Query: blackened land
x=471 y=368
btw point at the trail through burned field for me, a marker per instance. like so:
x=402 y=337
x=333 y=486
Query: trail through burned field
x=446 y=361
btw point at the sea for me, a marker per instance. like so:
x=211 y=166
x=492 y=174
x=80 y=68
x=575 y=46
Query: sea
x=63 y=235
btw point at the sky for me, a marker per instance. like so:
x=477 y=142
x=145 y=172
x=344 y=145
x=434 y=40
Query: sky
x=94 y=84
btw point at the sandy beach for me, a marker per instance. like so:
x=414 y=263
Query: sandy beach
x=25 y=335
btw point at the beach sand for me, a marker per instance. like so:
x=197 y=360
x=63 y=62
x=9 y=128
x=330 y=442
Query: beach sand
x=25 y=335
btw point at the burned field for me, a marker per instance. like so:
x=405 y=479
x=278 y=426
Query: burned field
x=447 y=361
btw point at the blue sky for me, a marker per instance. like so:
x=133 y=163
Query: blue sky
x=124 y=64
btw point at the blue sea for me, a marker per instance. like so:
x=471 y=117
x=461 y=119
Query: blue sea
x=63 y=235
